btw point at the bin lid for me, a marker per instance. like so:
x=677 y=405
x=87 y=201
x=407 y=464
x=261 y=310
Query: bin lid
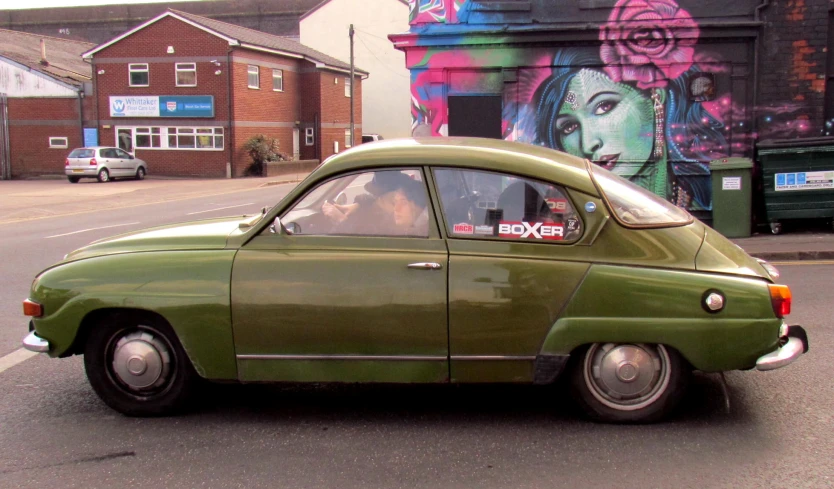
x=730 y=163
x=797 y=145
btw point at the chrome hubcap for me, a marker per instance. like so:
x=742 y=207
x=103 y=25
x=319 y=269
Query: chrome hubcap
x=627 y=377
x=141 y=361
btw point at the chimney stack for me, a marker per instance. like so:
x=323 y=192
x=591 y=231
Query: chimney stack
x=43 y=53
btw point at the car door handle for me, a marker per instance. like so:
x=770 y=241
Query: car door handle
x=425 y=266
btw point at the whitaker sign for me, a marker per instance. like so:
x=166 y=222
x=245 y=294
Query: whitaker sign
x=162 y=106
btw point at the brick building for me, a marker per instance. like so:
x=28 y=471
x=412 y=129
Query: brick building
x=185 y=92
x=654 y=90
x=42 y=102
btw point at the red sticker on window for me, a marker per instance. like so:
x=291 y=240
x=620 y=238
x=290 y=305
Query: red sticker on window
x=534 y=230
x=559 y=206
x=463 y=228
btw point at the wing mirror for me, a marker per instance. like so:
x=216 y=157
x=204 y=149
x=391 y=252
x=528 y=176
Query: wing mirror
x=279 y=228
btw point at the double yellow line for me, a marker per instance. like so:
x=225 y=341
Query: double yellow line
x=802 y=262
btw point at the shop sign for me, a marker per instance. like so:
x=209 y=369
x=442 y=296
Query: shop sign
x=162 y=106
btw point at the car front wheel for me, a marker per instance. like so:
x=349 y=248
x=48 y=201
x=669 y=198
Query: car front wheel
x=629 y=382
x=140 y=173
x=137 y=366
x=104 y=175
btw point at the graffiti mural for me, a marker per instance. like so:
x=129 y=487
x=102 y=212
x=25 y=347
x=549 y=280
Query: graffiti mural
x=646 y=101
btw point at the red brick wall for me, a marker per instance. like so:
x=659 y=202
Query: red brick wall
x=335 y=110
x=30 y=130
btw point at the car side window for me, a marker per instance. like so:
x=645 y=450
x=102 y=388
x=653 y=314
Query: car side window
x=483 y=204
x=121 y=154
x=379 y=203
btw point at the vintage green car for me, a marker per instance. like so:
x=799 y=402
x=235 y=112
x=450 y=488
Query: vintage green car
x=441 y=260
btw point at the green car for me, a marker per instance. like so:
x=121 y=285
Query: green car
x=441 y=260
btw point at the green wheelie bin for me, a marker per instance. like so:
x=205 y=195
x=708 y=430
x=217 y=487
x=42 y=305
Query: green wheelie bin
x=732 y=196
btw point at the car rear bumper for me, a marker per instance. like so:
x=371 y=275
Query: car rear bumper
x=35 y=343
x=81 y=172
x=794 y=344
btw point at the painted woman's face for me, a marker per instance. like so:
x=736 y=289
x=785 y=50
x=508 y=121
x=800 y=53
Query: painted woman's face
x=609 y=123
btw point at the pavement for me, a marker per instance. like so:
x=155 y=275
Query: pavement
x=25 y=200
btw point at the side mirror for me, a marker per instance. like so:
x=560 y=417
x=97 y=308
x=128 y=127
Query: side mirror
x=279 y=228
x=341 y=199
x=130 y=157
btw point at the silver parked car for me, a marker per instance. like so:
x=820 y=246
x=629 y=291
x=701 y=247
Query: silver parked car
x=103 y=163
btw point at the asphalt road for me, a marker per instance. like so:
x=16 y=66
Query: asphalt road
x=54 y=431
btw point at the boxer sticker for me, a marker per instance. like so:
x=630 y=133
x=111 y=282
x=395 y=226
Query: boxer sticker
x=531 y=230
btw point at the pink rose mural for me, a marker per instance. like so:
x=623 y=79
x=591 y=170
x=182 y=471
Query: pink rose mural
x=648 y=41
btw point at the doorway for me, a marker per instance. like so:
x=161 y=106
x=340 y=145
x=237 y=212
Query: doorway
x=296 y=150
x=124 y=139
x=475 y=115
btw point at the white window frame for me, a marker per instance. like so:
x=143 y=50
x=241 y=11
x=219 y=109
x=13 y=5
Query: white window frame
x=347 y=86
x=309 y=136
x=150 y=132
x=257 y=73
x=138 y=68
x=279 y=78
x=185 y=68
x=348 y=142
x=60 y=142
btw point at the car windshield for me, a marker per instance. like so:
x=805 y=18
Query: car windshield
x=634 y=205
x=82 y=153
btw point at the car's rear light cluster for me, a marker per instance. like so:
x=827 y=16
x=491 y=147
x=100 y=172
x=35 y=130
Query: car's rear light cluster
x=780 y=298
x=32 y=309
x=66 y=162
x=93 y=162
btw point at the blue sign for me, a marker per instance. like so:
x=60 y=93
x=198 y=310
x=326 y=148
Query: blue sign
x=791 y=178
x=90 y=136
x=800 y=178
x=186 y=106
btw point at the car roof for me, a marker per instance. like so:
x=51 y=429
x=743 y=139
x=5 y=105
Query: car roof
x=462 y=152
x=96 y=147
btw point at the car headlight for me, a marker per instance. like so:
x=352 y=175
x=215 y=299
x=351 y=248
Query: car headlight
x=771 y=270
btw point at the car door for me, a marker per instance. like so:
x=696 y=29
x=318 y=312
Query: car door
x=332 y=302
x=508 y=278
x=127 y=164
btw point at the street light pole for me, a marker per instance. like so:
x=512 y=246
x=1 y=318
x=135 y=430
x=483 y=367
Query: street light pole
x=352 y=137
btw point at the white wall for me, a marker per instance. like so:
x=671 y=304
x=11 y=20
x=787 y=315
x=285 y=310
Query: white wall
x=386 y=99
x=17 y=81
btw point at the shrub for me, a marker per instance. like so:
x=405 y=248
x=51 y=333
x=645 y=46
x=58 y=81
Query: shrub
x=262 y=149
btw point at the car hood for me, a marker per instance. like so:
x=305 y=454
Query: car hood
x=720 y=255
x=204 y=234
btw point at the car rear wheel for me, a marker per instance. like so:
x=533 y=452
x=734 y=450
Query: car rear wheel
x=629 y=382
x=104 y=175
x=138 y=367
x=140 y=173
x=72 y=179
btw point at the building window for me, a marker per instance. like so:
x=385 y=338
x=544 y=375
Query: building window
x=58 y=142
x=309 y=139
x=347 y=86
x=195 y=137
x=186 y=74
x=148 y=137
x=138 y=74
x=254 y=78
x=348 y=142
x=278 y=80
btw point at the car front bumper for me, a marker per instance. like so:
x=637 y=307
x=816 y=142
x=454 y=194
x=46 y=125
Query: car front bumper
x=795 y=343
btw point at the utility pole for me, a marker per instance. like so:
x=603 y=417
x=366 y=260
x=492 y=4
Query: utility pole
x=352 y=136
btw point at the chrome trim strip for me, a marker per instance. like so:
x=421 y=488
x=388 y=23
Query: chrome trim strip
x=785 y=355
x=490 y=358
x=35 y=343
x=364 y=358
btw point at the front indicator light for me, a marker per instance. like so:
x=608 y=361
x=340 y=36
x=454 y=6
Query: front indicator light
x=780 y=298
x=32 y=309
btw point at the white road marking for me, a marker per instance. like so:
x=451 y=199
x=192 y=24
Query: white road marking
x=92 y=229
x=220 y=208
x=15 y=357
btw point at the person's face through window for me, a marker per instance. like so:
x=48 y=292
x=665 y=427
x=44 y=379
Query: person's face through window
x=405 y=210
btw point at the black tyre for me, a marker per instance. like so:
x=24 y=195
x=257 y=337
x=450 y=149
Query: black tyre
x=140 y=173
x=104 y=175
x=628 y=382
x=138 y=367
x=73 y=179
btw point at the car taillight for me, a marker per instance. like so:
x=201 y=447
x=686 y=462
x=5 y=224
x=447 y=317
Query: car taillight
x=780 y=298
x=93 y=162
x=66 y=162
x=32 y=309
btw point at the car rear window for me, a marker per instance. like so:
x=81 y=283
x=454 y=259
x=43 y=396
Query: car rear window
x=635 y=206
x=82 y=153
